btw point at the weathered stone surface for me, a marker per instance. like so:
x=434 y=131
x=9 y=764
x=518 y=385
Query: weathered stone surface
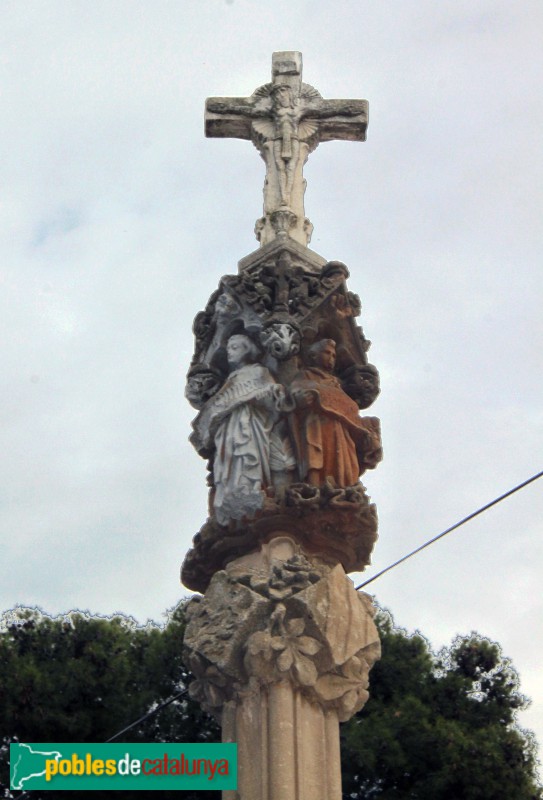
x=338 y=525
x=241 y=426
x=331 y=440
x=281 y=644
x=288 y=747
x=276 y=616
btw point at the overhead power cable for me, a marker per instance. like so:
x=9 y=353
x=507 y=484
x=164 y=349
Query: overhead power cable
x=452 y=528
x=474 y=514
x=148 y=715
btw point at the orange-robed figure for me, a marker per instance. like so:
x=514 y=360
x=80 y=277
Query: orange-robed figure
x=332 y=440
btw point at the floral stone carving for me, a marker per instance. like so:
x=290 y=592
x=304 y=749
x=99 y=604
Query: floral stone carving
x=337 y=524
x=296 y=621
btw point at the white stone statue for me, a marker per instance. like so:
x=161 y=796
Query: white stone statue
x=241 y=426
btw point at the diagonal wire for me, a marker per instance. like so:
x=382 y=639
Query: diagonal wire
x=452 y=528
x=365 y=583
x=148 y=715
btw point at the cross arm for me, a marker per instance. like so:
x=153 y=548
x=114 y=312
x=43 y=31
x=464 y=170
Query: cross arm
x=230 y=117
x=339 y=119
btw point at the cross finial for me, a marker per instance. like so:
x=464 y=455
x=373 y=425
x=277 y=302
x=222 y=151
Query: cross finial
x=286 y=120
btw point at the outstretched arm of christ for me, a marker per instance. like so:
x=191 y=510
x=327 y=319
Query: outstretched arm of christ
x=231 y=117
x=219 y=105
x=338 y=119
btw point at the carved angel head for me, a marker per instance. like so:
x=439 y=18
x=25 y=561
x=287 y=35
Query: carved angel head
x=281 y=340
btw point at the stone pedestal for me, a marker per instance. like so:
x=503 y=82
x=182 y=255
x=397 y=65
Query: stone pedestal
x=281 y=645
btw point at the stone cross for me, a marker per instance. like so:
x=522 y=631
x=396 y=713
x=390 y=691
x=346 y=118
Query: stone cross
x=281 y=643
x=286 y=120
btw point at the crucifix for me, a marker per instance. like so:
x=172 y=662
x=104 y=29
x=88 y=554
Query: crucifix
x=281 y=643
x=286 y=120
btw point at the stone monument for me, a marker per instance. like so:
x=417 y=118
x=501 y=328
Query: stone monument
x=281 y=644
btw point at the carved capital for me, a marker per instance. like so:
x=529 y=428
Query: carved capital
x=272 y=620
x=338 y=524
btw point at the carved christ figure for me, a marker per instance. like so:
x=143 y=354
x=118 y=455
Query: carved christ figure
x=240 y=427
x=286 y=141
x=332 y=439
x=280 y=122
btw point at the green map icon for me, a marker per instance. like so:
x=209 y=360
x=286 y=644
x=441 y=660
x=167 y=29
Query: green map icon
x=28 y=763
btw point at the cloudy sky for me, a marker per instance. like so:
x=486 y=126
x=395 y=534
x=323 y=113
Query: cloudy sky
x=118 y=218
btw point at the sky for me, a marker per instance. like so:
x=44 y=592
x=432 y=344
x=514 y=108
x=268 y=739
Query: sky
x=118 y=218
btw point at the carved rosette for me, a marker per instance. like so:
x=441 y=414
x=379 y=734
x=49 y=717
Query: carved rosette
x=277 y=621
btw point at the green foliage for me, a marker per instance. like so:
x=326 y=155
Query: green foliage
x=439 y=727
x=78 y=678
x=435 y=727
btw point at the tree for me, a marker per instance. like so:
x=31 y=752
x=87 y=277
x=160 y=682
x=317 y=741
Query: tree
x=78 y=678
x=436 y=727
x=439 y=727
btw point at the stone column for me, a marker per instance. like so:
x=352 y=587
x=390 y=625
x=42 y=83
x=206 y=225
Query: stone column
x=288 y=746
x=282 y=646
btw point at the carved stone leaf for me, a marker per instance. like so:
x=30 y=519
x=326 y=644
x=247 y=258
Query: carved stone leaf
x=306 y=671
x=214 y=695
x=213 y=675
x=197 y=691
x=308 y=645
x=278 y=643
x=331 y=686
x=285 y=661
x=354 y=669
x=351 y=700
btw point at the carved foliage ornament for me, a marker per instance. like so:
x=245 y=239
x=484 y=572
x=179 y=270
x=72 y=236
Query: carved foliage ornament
x=337 y=523
x=312 y=629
